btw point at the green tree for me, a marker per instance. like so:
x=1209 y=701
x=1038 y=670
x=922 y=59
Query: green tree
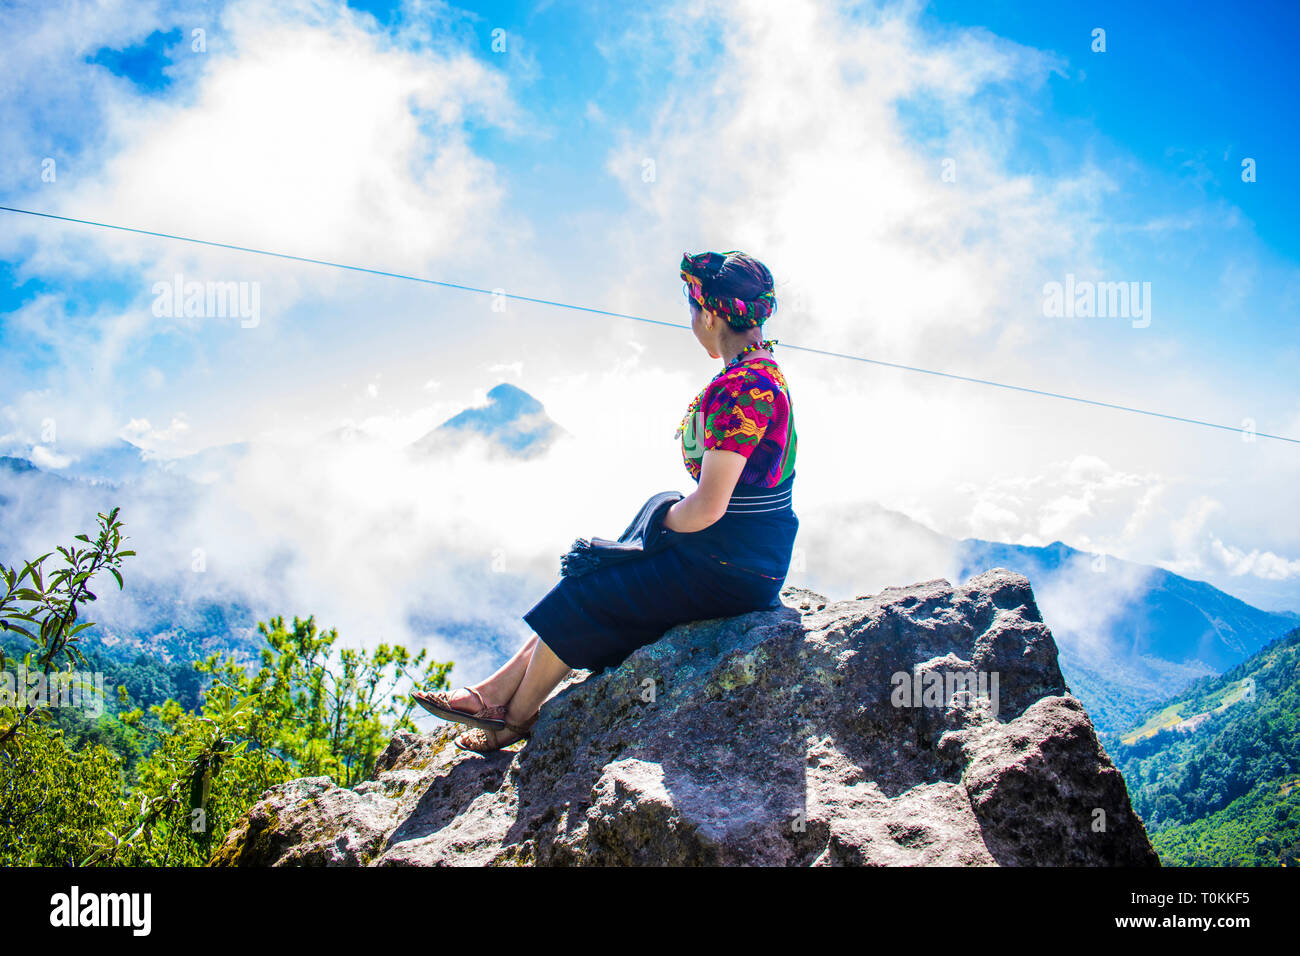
x=302 y=713
x=307 y=708
x=46 y=613
x=55 y=802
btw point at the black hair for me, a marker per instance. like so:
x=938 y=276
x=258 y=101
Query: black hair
x=741 y=276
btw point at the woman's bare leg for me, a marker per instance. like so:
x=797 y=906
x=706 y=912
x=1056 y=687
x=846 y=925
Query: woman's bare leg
x=501 y=686
x=543 y=673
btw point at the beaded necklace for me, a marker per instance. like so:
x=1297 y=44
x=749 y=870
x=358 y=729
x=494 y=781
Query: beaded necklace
x=695 y=402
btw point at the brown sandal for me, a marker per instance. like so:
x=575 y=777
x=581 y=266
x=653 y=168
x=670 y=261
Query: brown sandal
x=478 y=741
x=485 y=718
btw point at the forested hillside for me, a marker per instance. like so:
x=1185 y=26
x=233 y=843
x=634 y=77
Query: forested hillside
x=183 y=740
x=1214 y=772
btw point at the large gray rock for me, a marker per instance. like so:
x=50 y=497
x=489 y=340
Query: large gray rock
x=778 y=737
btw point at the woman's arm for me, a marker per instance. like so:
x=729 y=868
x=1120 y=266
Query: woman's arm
x=719 y=471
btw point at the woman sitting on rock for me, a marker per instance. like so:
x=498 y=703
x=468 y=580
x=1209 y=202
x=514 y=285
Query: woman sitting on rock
x=732 y=538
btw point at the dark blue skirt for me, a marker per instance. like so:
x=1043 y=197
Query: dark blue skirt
x=736 y=565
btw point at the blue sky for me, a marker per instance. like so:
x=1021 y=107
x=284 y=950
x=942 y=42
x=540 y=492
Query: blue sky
x=811 y=134
x=1182 y=93
x=1198 y=83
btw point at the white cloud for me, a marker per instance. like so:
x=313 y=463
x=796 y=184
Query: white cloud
x=1264 y=564
x=302 y=130
x=43 y=457
x=140 y=432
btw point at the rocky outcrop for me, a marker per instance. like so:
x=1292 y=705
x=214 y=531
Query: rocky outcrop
x=927 y=725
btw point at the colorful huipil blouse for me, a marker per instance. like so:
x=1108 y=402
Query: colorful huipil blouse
x=745 y=409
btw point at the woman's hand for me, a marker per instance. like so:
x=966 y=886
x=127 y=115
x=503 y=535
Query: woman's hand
x=719 y=471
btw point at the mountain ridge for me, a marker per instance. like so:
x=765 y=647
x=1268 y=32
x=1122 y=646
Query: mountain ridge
x=1215 y=769
x=511 y=420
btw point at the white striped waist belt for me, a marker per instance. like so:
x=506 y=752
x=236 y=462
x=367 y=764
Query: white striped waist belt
x=756 y=500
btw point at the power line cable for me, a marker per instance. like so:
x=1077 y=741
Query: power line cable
x=638 y=318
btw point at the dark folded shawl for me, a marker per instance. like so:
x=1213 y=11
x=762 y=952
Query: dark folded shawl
x=645 y=535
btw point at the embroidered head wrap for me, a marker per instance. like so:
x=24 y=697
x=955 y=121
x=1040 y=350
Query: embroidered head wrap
x=699 y=271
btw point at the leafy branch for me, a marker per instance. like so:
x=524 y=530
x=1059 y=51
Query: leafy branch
x=47 y=612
